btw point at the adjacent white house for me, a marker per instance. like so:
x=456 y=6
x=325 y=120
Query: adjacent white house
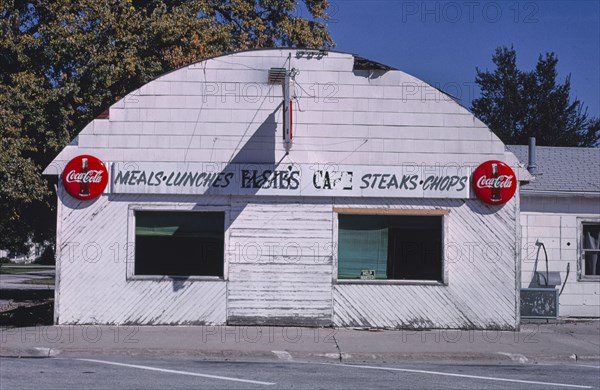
x=561 y=209
x=351 y=205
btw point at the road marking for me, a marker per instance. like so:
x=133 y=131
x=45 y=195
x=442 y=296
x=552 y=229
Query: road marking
x=283 y=355
x=225 y=378
x=489 y=378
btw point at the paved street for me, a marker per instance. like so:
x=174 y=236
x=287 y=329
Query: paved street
x=562 y=355
x=187 y=373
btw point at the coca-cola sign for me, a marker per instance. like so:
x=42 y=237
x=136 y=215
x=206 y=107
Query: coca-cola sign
x=85 y=177
x=494 y=182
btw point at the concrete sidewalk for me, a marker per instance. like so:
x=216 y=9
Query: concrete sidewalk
x=564 y=341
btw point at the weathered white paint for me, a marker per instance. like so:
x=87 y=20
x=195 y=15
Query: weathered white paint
x=280 y=251
x=555 y=221
x=280 y=261
x=480 y=286
x=94 y=287
x=212 y=108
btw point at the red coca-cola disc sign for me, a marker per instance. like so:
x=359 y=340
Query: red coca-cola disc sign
x=85 y=177
x=494 y=182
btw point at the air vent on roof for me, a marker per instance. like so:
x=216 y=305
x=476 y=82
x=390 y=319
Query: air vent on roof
x=277 y=75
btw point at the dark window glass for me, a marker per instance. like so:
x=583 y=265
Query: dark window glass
x=179 y=243
x=390 y=247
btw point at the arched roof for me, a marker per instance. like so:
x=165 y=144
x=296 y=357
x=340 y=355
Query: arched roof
x=346 y=109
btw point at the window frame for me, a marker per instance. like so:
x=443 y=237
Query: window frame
x=443 y=213
x=581 y=277
x=130 y=251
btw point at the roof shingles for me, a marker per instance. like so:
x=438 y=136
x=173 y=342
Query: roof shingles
x=562 y=169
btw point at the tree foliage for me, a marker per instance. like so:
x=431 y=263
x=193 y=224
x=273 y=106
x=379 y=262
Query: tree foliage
x=517 y=105
x=63 y=62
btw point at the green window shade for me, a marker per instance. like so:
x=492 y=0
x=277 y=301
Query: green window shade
x=363 y=245
x=390 y=247
x=156 y=230
x=182 y=224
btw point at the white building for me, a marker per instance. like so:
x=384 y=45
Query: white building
x=561 y=209
x=369 y=220
x=34 y=252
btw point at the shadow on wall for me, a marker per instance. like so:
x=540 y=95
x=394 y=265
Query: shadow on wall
x=260 y=147
x=70 y=202
x=178 y=282
x=481 y=208
x=256 y=151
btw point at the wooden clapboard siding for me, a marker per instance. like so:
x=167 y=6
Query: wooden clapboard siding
x=281 y=271
x=554 y=221
x=207 y=111
x=389 y=211
x=480 y=290
x=280 y=253
x=96 y=290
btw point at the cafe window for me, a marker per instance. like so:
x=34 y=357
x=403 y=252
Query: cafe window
x=179 y=243
x=390 y=247
x=590 y=250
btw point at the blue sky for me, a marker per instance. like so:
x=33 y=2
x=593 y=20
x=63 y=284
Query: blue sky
x=442 y=42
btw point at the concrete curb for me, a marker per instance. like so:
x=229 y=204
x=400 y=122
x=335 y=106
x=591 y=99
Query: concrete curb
x=276 y=356
x=491 y=357
x=34 y=352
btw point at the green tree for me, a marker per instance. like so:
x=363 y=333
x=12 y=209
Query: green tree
x=517 y=105
x=63 y=62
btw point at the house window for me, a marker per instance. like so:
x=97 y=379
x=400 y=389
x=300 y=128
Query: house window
x=390 y=247
x=178 y=243
x=590 y=250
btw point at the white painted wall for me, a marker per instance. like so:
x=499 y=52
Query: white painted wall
x=222 y=110
x=92 y=284
x=481 y=291
x=281 y=262
x=554 y=221
x=210 y=110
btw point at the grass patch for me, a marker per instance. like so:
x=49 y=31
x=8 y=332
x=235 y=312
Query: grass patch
x=21 y=269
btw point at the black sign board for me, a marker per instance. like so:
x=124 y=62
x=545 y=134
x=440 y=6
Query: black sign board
x=539 y=303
